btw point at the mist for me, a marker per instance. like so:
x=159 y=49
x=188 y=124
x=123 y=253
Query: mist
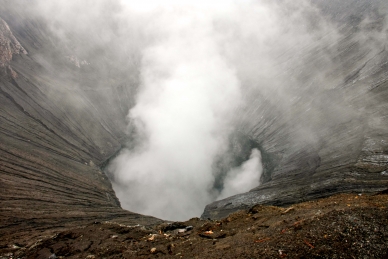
x=202 y=64
x=243 y=178
x=197 y=72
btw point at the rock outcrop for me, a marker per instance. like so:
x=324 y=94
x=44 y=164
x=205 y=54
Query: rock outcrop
x=9 y=46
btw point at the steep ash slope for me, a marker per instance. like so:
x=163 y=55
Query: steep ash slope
x=57 y=125
x=333 y=137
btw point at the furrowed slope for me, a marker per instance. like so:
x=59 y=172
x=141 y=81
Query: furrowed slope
x=57 y=126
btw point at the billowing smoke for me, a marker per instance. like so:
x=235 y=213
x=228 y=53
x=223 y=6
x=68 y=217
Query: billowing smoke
x=201 y=65
x=188 y=92
x=244 y=177
x=198 y=73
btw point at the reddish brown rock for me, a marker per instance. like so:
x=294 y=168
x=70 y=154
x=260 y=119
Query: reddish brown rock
x=9 y=45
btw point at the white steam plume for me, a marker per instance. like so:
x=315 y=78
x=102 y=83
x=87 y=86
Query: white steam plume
x=197 y=64
x=244 y=177
x=188 y=92
x=274 y=68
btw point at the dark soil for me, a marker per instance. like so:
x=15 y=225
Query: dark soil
x=342 y=226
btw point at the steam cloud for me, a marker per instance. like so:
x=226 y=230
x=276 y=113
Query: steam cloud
x=194 y=75
x=187 y=92
x=207 y=69
x=244 y=177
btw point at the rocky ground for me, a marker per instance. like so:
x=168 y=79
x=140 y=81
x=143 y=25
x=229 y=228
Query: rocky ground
x=341 y=226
